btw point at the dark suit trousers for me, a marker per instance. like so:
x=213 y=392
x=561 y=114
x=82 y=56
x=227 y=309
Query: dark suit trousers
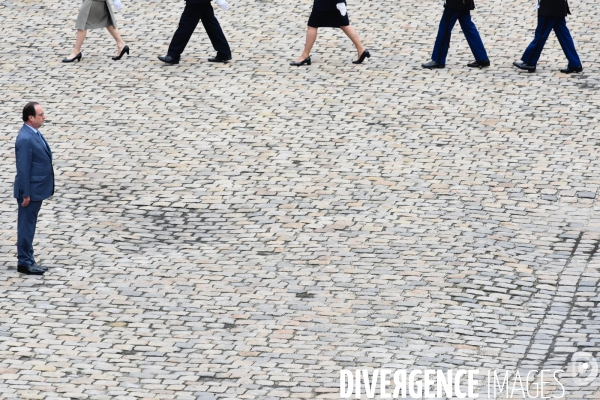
x=545 y=26
x=192 y=14
x=26 y=221
x=442 y=42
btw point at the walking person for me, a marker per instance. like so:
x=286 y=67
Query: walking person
x=330 y=14
x=457 y=10
x=34 y=183
x=95 y=14
x=194 y=12
x=551 y=16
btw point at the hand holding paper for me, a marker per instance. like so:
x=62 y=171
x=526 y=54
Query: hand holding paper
x=223 y=4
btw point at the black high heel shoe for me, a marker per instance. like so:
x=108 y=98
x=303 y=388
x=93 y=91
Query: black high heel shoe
x=305 y=61
x=365 y=54
x=125 y=50
x=78 y=57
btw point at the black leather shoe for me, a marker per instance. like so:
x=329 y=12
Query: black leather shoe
x=299 y=63
x=125 y=50
x=168 y=60
x=219 y=58
x=78 y=57
x=365 y=54
x=523 y=66
x=30 y=270
x=570 y=70
x=432 y=65
x=35 y=264
x=479 y=64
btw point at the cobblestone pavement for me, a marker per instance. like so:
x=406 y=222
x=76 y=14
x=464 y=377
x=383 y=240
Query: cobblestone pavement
x=245 y=231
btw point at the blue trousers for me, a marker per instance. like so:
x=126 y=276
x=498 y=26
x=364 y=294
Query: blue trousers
x=26 y=221
x=545 y=26
x=442 y=42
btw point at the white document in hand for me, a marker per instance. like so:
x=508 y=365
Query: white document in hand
x=223 y=4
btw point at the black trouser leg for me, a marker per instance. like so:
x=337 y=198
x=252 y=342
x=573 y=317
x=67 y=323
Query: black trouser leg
x=214 y=31
x=187 y=24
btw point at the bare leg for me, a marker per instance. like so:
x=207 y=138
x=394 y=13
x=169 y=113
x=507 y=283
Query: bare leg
x=78 y=43
x=351 y=33
x=311 y=37
x=114 y=32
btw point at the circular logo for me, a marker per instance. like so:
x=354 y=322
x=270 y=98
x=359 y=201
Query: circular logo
x=583 y=368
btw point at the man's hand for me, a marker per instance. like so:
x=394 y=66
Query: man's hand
x=223 y=4
x=25 y=202
x=342 y=8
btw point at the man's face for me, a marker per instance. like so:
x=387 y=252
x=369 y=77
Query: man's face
x=39 y=118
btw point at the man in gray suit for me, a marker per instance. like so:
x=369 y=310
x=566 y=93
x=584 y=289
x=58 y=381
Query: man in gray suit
x=34 y=183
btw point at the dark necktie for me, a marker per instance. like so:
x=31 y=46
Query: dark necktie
x=42 y=139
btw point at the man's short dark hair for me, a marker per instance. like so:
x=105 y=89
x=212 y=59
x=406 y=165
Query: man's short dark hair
x=29 y=110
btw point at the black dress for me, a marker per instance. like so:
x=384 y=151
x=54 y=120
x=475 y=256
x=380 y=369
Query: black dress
x=326 y=15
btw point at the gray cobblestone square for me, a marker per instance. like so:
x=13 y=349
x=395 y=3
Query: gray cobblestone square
x=246 y=231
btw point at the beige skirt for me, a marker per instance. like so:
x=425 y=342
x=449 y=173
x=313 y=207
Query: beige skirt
x=95 y=14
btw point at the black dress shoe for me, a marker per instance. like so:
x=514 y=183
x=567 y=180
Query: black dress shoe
x=168 y=59
x=35 y=264
x=30 y=270
x=125 y=50
x=479 y=64
x=523 y=66
x=365 y=54
x=433 y=64
x=570 y=70
x=78 y=57
x=299 y=63
x=219 y=58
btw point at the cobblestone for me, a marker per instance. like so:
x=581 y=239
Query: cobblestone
x=245 y=231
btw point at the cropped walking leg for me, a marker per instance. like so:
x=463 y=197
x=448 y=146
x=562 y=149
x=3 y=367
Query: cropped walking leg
x=114 y=32
x=534 y=50
x=472 y=36
x=353 y=35
x=566 y=42
x=442 y=42
x=187 y=24
x=311 y=38
x=79 y=39
x=214 y=31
